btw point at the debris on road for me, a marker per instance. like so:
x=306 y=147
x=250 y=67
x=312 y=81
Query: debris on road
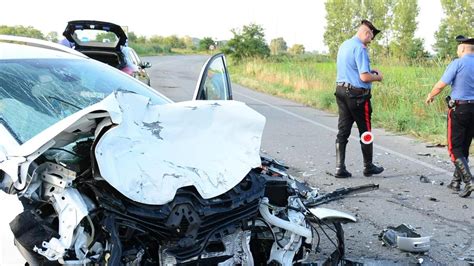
x=340 y=193
x=404 y=238
x=424 y=179
x=437 y=145
x=434 y=199
x=424 y=154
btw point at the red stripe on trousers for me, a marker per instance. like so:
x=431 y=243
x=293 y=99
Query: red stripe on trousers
x=367 y=117
x=450 y=143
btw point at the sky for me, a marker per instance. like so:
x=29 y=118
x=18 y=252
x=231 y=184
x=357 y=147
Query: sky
x=297 y=21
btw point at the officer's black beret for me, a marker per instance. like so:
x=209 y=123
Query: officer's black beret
x=371 y=26
x=461 y=39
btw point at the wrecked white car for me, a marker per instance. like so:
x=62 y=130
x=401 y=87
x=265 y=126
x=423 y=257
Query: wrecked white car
x=110 y=172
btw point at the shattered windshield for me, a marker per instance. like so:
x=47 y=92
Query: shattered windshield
x=36 y=93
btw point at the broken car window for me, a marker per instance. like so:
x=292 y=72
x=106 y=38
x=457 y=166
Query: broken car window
x=35 y=94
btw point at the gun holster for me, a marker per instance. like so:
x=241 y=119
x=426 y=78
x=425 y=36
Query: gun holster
x=450 y=102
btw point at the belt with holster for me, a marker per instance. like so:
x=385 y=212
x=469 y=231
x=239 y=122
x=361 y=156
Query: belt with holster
x=453 y=103
x=353 y=90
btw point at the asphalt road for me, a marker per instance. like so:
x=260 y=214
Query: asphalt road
x=303 y=138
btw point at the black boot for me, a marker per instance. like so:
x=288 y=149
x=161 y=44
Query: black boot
x=463 y=167
x=341 y=171
x=369 y=167
x=456 y=182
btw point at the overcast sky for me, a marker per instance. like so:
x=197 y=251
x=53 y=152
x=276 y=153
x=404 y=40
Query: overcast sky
x=297 y=21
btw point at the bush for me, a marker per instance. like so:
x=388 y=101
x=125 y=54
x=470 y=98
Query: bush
x=250 y=43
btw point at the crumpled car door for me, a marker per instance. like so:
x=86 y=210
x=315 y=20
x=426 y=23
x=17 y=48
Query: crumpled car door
x=214 y=81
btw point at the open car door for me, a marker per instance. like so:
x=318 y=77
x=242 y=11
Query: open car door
x=214 y=81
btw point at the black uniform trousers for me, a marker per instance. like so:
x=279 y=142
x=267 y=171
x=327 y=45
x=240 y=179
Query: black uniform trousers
x=460 y=130
x=354 y=106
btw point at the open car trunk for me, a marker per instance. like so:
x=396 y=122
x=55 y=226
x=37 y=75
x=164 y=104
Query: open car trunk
x=109 y=58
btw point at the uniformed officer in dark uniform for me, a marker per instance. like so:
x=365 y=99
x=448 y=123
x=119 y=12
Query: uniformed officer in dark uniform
x=460 y=75
x=353 y=87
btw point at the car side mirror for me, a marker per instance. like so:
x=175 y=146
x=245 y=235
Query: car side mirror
x=145 y=65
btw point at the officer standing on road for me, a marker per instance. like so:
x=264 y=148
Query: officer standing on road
x=460 y=75
x=354 y=83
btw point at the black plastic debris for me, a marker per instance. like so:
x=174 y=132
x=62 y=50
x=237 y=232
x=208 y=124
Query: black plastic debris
x=404 y=238
x=424 y=179
x=434 y=199
x=424 y=154
x=437 y=145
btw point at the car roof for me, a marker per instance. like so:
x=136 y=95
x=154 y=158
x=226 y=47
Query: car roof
x=24 y=47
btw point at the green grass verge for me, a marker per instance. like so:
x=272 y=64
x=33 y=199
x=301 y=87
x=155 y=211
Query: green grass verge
x=398 y=102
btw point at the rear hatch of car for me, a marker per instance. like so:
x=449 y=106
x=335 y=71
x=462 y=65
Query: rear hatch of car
x=93 y=35
x=97 y=39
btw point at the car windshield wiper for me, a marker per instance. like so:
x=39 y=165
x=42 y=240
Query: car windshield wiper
x=63 y=101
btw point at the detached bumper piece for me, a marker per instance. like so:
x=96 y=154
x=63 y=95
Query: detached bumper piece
x=405 y=238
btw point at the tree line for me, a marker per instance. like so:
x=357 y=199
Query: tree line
x=397 y=20
x=143 y=44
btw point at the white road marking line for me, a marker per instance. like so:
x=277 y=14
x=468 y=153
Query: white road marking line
x=403 y=156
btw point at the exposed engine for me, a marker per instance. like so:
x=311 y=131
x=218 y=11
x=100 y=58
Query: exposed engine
x=146 y=184
x=73 y=216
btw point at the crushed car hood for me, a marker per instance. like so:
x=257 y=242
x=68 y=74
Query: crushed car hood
x=157 y=149
x=153 y=150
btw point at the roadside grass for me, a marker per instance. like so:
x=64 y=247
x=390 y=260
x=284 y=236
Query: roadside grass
x=150 y=49
x=398 y=102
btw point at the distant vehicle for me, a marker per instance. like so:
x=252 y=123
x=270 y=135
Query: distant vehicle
x=112 y=50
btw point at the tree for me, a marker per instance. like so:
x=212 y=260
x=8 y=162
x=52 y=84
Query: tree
x=141 y=39
x=206 y=43
x=21 y=31
x=156 y=39
x=174 y=42
x=52 y=36
x=278 y=46
x=404 y=45
x=380 y=13
x=188 y=42
x=459 y=20
x=110 y=36
x=416 y=49
x=132 y=37
x=340 y=24
x=250 y=42
x=296 y=49
x=344 y=16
